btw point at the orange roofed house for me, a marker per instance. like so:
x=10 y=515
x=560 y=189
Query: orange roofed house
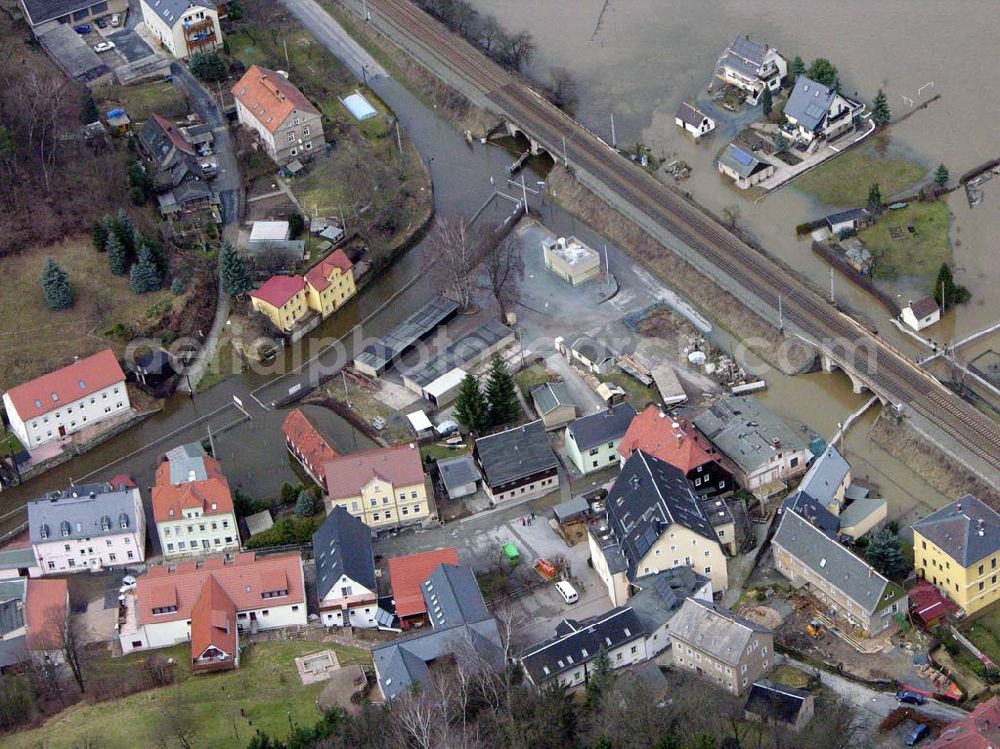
x=192 y=505
x=46 y=617
x=288 y=300
x=67 y=400
x=209 y=603
x=307 y=445
x=288 y=124
x=406 y=574
x=980 y=730
x=384 y=487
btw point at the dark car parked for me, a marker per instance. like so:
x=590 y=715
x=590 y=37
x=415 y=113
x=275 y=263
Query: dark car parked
x=910 y=698
x=83 y=28
x=918 y=733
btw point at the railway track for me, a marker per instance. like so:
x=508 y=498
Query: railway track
x=892 y=374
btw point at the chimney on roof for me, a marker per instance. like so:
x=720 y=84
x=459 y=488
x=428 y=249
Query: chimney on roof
x=680 y=438
x=980 y=529
x=958 y=507
x=776 y=442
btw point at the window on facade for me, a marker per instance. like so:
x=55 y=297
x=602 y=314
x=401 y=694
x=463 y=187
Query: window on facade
x=291 y=137
x=794 y=462
x=112 y=557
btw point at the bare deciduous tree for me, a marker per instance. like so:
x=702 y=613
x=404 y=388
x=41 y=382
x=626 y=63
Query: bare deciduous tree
x=503 y=269
x=454 y=245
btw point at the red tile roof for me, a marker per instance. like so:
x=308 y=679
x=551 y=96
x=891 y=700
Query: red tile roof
x=174 y=134
x=169 y=500
x=406 y=574
x=653 y=432
x=244 y=580
x=277 y=290
x=319 y=276
x=399 y=465
x=213 y=620
x=308 y=442
x=981 y=730
x=270 y=97
x=78 y=380
x=928 y=604
x=45 y=612
x=123 y=479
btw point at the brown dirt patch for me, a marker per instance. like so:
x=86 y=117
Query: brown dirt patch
x=763 y=615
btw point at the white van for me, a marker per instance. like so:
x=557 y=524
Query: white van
x=567 y=591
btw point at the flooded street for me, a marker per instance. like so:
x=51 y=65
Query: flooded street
x=643 y=58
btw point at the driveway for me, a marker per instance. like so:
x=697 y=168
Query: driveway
x=130 y=45
x=332 y=36
x=586 y=400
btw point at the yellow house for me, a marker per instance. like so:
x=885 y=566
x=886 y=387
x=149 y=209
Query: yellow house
x=957 y=549
x=330 y=283
x=383 y=487
x=283 y=299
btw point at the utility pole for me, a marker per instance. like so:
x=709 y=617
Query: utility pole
x=944 y=301
x=368 y=16
x=524 y=194
x=347 y=397
x=781 y=317
x=287 y=63
x=565 y=156
x=831 y=285
x=399 y=140
x=343 y=219
x=614 y=140
x=211 y=441
x=607 y=268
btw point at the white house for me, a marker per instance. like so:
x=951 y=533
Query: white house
x=752 y=66
x=89 y=526
x=265 y=593
x=921 y=314
x=286 y=121
x=184 y=27
x=592 y=441
x=693 y=120
x=60 y=403
x=743 y=168
x=817 y=111
x=192 y=505
x=345 y=571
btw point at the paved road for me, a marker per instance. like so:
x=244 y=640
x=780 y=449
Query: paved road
x=228 y=184
x=334 y=38
x=879 y=704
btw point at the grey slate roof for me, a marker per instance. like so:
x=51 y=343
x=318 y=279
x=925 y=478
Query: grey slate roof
x=12 y=594
x=923 y=307
x=82 y=512
x=578 y=642
x=604 y=426
x=592 y=349
x=342 y=545
x=690 y=115
x=40 y=11
x=834 y=563
x=741 y=162
x=186 y=461
x=716 y=510
x=825 y=475
x=661 y=595
x=551 y=395
x=744 y=431
x=812 y=510
x=13 y=651
x=570 y=509
x=714 y=630
x=458 y=472
x=402 y=662
x=515 y=453
x=171 y=10
x=851 y=214
x=648 y=497
x=809 y=103
x=452 y=596
x=773 y=701
x=382 y=353
x=466 y=351
x=966 y=530
x=13 y=559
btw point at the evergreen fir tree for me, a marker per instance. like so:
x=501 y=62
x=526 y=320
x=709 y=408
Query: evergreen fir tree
x=835 y=86
x=880 y=109
x=875 y=199
x=780 y=143
x=304 y=505
x=884 y=553
x=233 y=271
x=144 y=276
x=56 y=287
x=117 y=260
x=947 y=293
x=501 y=395
x=797 y=69
x=470 y=406
x=766 y=101
x=941 y=176
x=98 y=235
x=88 y=107
x=601 y=679
x=822 y=71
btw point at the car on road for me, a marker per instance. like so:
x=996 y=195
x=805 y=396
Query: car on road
x=116 y=19
x=910 y=698
x=104 y=46
x=83 y=28
x=917 y=735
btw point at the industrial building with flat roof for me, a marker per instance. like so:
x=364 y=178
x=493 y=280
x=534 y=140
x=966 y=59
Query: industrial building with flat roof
x=571 y=260
x=380 y=355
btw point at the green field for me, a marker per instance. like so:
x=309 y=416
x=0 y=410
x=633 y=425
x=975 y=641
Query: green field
x=919 y=253
x=266 y=688
x=635 y=392
x=845 y=180
x=984 y=632
x=140 y=101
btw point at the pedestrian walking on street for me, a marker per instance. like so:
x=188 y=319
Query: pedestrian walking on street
x=523 y=522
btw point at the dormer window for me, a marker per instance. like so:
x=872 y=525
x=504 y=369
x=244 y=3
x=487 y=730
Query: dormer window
x=55 y=396
x=43 y=532
x=83 y=385
x=123 y=520
x=65 y=529
x=105 y=523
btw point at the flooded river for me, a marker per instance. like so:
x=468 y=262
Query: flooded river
x=639 y=62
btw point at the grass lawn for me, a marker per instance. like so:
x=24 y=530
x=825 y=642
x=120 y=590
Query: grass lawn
x=266 y=687
x=140 y=101
x=37 y=339
x=635 y=393
x=791 y=676
x=530 y=377
x=845 y=180
x=917 y=254
x=439 y=451
x=984 y=632
x=9 y=443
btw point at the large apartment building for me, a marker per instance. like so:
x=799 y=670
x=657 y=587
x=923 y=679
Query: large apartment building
x=288 y=124
x=184 y=27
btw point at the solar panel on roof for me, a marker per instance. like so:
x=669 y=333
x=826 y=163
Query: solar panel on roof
x=743 y=157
